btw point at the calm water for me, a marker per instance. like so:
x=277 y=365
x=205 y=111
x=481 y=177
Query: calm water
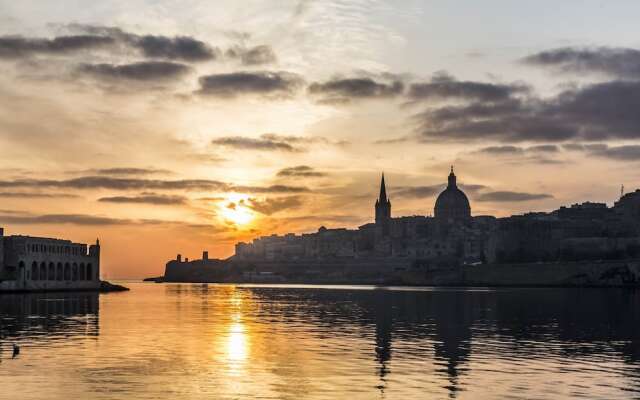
x=233 y=342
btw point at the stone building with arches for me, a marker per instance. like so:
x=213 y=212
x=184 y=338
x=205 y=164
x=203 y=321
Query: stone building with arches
x=39 y=264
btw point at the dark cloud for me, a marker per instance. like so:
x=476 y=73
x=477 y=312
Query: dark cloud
x=73 y=219
x=594 y=112
x=247 y=143
x=423 y=192
x=345 y=90
x=257 y=55
x=13 y=47
x=274 y=142
x=620 y=153
x=174 y=48
x=146 y=71
x=507 y=196
x=616 y=62
x=148 y=198
x=270 y=84
x=273 y=205
x=300 y=171
x=501 y=150
x=418 y=192
x=270 y=189
x=509 y=150
x=131 y=171
x=179 y=48
x=445 y=87
x=113 y=183
x=23 y=218
x=37 y=195
x=400 y=139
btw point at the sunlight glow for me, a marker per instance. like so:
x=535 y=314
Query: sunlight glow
x=235 y=210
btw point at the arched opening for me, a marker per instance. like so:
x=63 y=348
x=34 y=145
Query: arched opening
x=43 y=271
x=75 y=271
x=22 y=272
x=34 y=271
x=52 y=272
x=67 y=272
x=60 y=272
x=82 y=272
x=89 y=272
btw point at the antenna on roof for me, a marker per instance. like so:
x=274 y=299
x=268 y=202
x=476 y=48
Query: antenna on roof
x=622 y=191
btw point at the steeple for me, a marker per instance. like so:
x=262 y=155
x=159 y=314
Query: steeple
x=452 y=178
x=383 y=206
x=383 y=191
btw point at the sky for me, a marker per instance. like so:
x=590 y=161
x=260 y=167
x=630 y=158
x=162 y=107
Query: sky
x=166 y=127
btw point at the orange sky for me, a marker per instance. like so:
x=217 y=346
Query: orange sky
x=165 y=131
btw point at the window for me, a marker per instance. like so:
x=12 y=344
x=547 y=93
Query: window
x=89 y=272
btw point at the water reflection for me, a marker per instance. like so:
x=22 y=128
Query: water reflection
x=230 y=342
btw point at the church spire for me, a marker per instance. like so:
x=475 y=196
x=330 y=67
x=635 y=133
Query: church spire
x=383 y=191
x=383 y=207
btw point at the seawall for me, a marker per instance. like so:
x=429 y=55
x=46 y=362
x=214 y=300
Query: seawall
x=624 y=273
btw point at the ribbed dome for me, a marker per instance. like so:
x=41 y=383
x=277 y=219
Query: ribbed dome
x=452 y=203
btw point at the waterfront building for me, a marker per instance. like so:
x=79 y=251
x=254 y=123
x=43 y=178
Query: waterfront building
x=36 y=263
x=452 y=235
x=586 y=231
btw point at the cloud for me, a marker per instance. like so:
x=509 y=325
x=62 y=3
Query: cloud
x=247 y=143
x=32 y=195
x=113 y=183
x=594 y=112
x=615 y=62
x=273 y=205
x=130 y=171
x=14 y=47
x=257 y=55
x=400 y=139
x=507 y=196
x=273 y=142
x=157 y=47
x=183 y=48
x=73 y=219
x=619 y=153
x=348 y=89
x=147 y=198
x=300 y=171
x=509 y=150
x=263 y=83
x=418 y=192
x=23 y=218
x=445 y=87
x=145 y=71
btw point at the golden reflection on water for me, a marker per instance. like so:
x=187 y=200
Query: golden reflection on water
x=232 y=342
x=237 y=338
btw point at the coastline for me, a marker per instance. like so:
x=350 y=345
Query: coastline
x=595 y=274
x=105 y=287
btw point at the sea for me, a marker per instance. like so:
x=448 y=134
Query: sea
x=219 y=341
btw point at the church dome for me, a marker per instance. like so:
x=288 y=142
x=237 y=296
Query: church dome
x=452 y=204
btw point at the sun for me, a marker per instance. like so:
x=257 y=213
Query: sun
x=234 y=209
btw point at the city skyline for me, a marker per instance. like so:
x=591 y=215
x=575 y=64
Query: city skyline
x=165 y=132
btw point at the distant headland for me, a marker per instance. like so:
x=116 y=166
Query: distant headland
x=587 y=244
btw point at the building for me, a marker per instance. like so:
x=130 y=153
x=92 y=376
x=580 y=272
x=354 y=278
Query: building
x=35 y=263
x=451 y=236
